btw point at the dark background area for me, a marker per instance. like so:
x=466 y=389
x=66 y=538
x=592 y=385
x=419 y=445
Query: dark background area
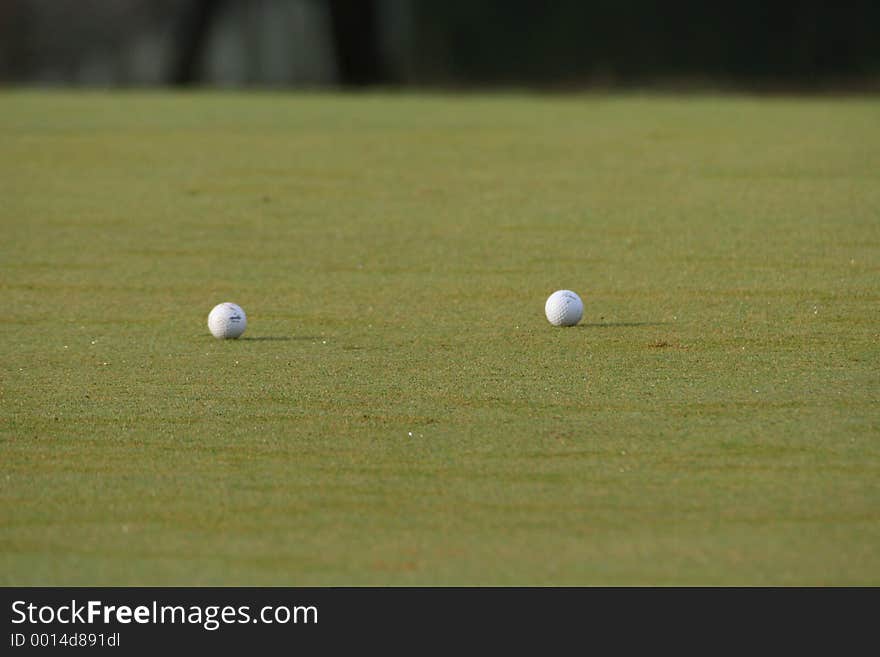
x=561 y=43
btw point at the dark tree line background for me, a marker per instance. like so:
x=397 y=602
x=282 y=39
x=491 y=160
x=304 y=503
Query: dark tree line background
x=565 y=40
x=550 y=43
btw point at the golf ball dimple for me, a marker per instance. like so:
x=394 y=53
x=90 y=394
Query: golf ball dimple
x=227 y=320
x=564 y=308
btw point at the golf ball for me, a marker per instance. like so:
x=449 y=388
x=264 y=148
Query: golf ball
x=564 y=308
x=227 y=320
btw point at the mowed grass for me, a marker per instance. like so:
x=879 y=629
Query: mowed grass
x=400 y=412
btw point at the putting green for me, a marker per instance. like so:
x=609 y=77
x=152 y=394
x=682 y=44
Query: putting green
x=399 y=410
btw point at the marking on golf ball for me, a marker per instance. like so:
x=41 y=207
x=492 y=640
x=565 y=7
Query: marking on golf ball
x=564 y=308
x=227 y=321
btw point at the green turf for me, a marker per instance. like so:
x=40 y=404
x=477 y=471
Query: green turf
x=400 y=411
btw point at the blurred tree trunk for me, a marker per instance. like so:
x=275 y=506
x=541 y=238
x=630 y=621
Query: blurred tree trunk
x=356 y=41
x=191 y=36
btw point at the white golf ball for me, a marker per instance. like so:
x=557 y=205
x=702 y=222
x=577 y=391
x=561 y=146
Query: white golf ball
x=564 y=308
x=227 y=320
